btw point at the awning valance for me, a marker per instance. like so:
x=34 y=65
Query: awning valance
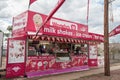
x=61 y=39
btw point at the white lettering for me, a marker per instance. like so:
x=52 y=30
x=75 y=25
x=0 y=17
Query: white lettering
x=64 y=32
x=20 y=21
x=63 y=24
x=96 y=37
x=78 y=34
x=50 y=29
x=86 y=35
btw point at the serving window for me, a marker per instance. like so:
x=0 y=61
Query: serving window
x=80 y=49
x=61 y=50
x=39 y=48
x=32 y=51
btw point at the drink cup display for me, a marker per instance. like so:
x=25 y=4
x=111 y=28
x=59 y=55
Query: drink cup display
x=45 y=63
x=37 y=19
x=39 y=64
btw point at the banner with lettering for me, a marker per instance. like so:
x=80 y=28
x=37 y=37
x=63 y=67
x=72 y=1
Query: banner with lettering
x=54 y=26
x=16 y=57
x=29 y=22
x=19 y=24
x=115 y=31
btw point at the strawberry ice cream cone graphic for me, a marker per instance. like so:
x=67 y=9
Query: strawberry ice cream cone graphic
x=37 y=19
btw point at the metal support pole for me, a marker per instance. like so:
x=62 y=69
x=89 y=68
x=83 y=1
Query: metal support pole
x=106 y=39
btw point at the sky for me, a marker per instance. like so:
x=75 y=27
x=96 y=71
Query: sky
x=72 y=10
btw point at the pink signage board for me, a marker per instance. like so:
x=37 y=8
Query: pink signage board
x=29 y=22
x=47 y=65
x=40 y=63
x=93 y=55
x=59 y=27
x=16 y=53
x=97 y=37
x=115 y=31
x=19 y=24
x=54 y=26
x=44 y=63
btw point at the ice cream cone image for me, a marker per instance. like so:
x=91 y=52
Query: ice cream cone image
x=37 y=19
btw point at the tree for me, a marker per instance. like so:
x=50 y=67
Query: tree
x=100 y=51
x=9 y=28
x=1 y=31
x=114 y=49
x=6 y=34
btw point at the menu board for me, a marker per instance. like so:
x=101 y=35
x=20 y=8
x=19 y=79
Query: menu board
x=93 y=52
x=16 y=54
x=93 y=55
x=16 y=51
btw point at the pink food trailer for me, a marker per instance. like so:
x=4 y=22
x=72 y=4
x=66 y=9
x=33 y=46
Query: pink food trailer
x=61 y=46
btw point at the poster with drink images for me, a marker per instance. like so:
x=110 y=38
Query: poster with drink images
x=40 y=63
x=92 y=51
x=15 y=62
x=16 y=51
x=93 y=55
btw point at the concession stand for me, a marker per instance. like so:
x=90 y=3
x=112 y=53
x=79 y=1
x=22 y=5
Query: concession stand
x=61 y=46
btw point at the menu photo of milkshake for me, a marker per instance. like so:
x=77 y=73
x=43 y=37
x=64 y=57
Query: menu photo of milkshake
x=16 y=51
